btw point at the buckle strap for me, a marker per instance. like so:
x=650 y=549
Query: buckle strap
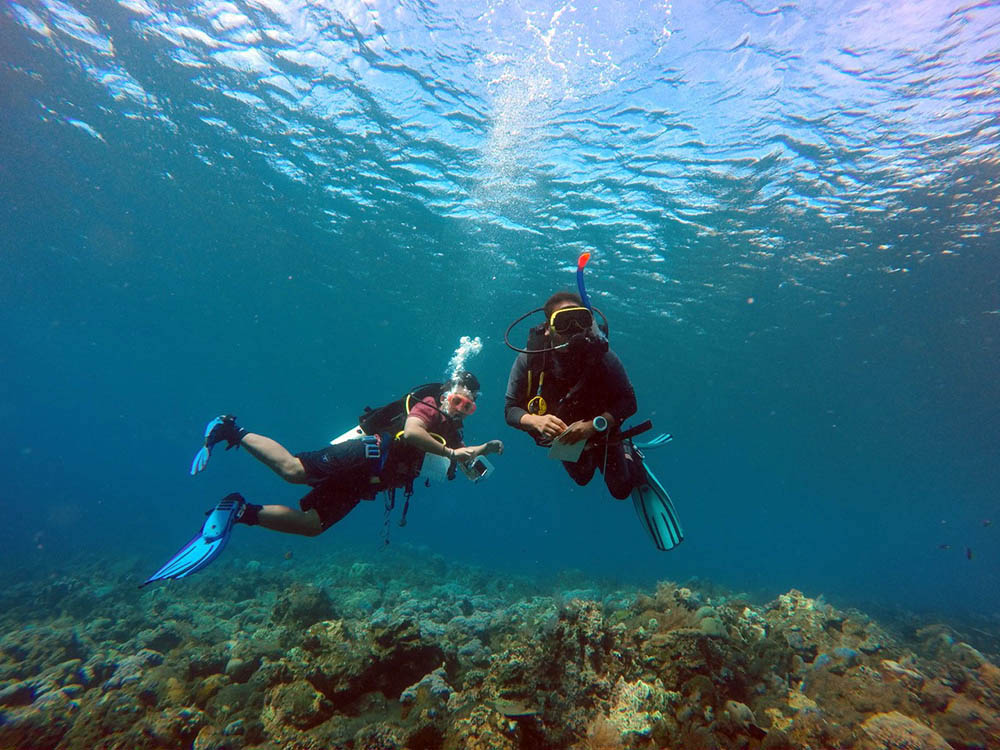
x=373 y=446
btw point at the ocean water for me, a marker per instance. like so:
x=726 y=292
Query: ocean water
x=290 y=210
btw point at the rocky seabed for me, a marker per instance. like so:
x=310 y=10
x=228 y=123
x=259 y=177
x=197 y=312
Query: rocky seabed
x=414 y=652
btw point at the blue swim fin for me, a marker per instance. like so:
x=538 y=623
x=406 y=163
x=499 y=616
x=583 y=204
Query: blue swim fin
x=207 y=544
x=656 y=511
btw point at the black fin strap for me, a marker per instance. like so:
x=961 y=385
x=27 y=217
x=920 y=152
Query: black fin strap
x=637 y=429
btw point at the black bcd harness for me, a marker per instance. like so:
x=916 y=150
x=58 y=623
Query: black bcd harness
x=390 y=419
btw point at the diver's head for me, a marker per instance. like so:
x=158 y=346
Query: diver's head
x=560 y=300
x=571 y=327
x=458 y=397
x=566 y=316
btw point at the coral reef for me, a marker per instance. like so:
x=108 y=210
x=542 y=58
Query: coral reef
x=413 y=652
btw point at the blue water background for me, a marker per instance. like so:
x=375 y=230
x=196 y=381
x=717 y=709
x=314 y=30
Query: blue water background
x=289 y=211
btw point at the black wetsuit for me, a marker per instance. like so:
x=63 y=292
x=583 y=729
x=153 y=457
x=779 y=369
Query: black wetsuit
x=573 y=392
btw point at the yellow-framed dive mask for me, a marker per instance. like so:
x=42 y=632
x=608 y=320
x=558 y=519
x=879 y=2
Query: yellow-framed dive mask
x=569 y=320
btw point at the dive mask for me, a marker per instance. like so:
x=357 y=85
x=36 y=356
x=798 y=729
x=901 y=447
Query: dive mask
x=569 y=320
x=461 y=404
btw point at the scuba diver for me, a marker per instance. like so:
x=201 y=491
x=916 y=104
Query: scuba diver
x=570 y=392
x=416 y=436
x=579 y=392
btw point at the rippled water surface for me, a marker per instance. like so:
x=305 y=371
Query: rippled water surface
x=292 y=209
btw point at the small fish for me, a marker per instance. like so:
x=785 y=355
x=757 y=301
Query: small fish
x=968 y=552
x=944 y=546
x=987 y=522
x=288 y=555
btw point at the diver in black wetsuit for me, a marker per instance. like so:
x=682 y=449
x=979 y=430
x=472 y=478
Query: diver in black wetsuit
x=568 y=383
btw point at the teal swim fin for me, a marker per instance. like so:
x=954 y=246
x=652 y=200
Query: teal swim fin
x=656 y=511
x=207 y=544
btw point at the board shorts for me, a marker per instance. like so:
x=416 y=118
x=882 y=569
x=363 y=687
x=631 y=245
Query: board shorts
x=341 y=476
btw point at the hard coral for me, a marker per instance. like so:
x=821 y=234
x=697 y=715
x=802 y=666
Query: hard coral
x=301 y=606
x=894 y=731
x=602 y=734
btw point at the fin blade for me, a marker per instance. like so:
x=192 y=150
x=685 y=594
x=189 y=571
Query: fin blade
x=204 y=547
x=656 y=511
x=175 y=561
x=200 y=460
x=194 y=556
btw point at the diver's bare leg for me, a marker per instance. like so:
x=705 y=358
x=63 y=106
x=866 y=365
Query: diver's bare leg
x=289 y=521
x=276 y=457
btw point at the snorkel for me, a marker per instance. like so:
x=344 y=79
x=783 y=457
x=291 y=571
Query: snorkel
x=592 y=343
x=581 y=263
x=596 y=336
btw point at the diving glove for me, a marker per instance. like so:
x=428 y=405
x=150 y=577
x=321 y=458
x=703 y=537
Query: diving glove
x=221 y=428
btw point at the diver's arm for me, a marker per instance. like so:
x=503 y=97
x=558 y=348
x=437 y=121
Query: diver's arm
x=517 y=383
x=622 y=404
x=415 y=433
x=548 y=425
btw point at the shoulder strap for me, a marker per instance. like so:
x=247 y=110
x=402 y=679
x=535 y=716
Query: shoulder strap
x=537 y=361
x=537 y=340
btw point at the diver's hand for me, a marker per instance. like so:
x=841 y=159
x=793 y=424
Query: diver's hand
x=582 y=430
x=470 y=452
x=465 y=453
x=546 y=425
x=493 y=446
